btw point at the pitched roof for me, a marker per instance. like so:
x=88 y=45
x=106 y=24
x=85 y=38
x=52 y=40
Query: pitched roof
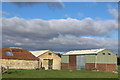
x=80 y=52
x=38 y=53
x=17 y=53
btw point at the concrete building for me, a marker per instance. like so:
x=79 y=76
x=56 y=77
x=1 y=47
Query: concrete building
x=48 y=59
x=101 y=60
x=17 y=58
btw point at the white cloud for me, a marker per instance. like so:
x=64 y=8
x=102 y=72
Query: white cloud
x=114 y=12
x=51 y=28
x=4 y=13
x=18 y=44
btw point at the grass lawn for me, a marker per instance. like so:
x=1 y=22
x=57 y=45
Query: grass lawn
x=57 y=74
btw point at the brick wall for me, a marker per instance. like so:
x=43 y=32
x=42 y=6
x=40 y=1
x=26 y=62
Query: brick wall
x=64 y=66
x=90 y=66
x=106 y=67
x=101 y=67
x=72 y=62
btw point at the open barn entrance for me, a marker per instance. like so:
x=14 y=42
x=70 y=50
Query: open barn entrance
x=50 y=63
x=80 y=61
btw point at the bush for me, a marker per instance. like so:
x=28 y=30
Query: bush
x=118 y=60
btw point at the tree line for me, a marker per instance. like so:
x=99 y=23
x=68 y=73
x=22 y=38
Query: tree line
x=118 y=60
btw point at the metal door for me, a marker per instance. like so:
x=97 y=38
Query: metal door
x=80 y=62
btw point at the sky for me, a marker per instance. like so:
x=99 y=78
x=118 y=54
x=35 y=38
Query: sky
x=60 y=26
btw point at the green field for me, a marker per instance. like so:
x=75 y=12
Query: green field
x=57 y=74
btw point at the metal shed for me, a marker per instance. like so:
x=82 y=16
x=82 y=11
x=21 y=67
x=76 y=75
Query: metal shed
x=102 y=60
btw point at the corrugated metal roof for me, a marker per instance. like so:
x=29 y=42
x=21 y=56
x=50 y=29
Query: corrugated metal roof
x=38 y=53
x=79 y=52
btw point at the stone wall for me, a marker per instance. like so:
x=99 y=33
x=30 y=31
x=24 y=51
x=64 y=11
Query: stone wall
x=19 y=64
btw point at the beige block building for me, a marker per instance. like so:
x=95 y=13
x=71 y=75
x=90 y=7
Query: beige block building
x=48 y=59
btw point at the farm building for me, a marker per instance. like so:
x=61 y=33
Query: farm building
x=48 y=59
x=101 y=60
x=17 y=58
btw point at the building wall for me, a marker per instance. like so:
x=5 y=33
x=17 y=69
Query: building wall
x=65 y=59
x=106 y=59
x=64 y=62
x=56 y=60
x=102 y=59
x=64 y=65
x=90 y=58
x=72 y=62
x=68 y=62
x=101 y=67
x=102 y=62
x=19 y=64
x=106 y=67
x=90 y=66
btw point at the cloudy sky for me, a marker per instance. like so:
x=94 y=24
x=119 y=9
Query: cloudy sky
x=60 y=26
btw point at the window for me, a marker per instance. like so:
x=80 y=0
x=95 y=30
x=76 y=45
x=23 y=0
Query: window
x=103 y=53
x=49 y=53
x=9 y=53
x=109 y=54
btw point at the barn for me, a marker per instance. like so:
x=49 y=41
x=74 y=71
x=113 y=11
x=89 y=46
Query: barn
x=17 y=58
x=102 y=60
x=48 y=59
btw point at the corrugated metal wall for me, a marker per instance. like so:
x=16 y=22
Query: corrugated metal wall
x=106 y=58
x=90 y=58
x=65 y=59
x=65 y=62
x=80 y=62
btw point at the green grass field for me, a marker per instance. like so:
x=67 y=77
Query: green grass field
x=57 y=74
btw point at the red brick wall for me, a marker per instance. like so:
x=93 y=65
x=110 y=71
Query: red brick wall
x=90 y=66
x=72 y=62
x=64 y=66
x=106 y=67
x=102 y=67
x=111 y=67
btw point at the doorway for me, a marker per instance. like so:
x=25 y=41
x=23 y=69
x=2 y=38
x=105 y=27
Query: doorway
x=80 y=62
x=50 y=63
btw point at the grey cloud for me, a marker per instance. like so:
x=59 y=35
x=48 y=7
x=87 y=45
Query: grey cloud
x=84 y=42
x=57 y=34
x=56 y=4
x=61 y=43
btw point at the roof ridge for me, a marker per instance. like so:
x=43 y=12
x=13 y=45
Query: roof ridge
x=90 y=51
